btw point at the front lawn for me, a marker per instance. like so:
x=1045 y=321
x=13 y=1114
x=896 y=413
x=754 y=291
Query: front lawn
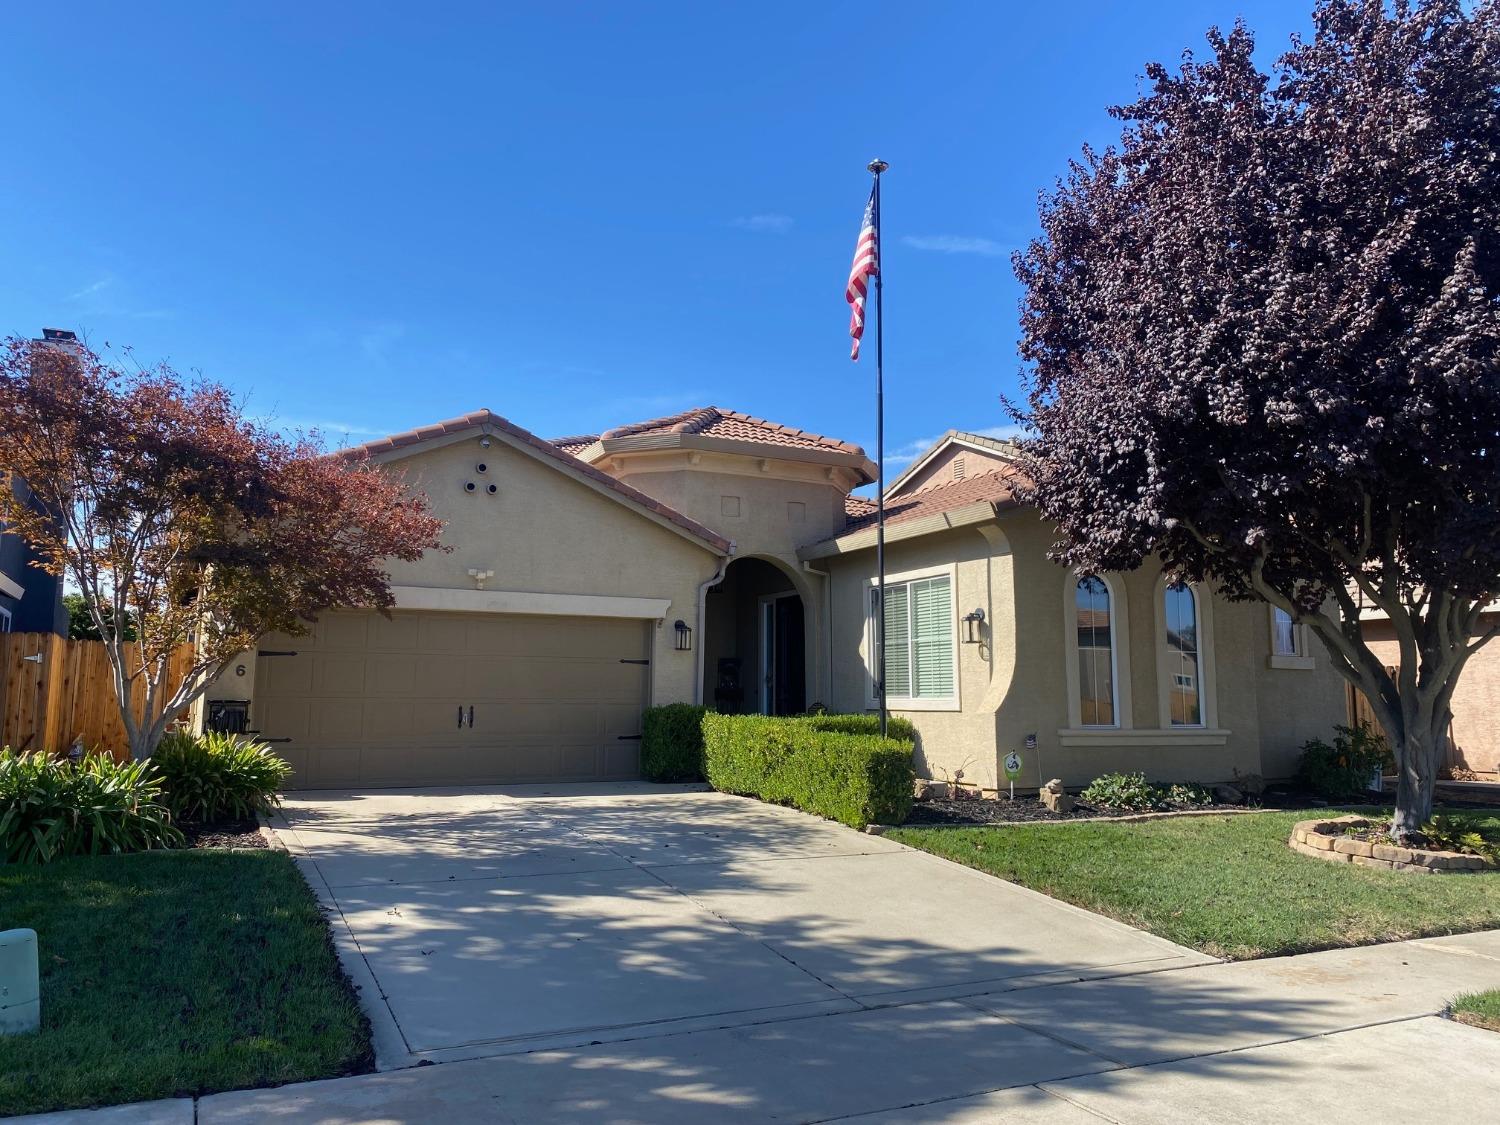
x=1482 y=1009
x=1227 y=885
x=173 y=973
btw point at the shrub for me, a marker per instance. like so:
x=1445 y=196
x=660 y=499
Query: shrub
x=896 y=726
x=51 y=808
x=1457 y=833
x=1122 y=791
x=211 y=777
x=1187 y=795
x=672 y=742
x=1342 y=772
x=856 y=778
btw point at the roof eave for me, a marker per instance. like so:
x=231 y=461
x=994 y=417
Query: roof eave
x=966 y=515
x=660 y=442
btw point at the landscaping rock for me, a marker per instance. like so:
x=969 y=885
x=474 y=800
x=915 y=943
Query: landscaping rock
x=1055 y=797
x=1228 y=795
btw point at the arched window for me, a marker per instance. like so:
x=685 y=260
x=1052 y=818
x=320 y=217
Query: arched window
x=1096 y=653
x=1184 y=668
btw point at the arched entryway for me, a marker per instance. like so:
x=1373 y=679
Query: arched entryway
x=755 y=648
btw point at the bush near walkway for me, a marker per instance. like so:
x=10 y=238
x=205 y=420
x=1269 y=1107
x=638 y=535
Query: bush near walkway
x=672 y=742
x=175 y=973
x=1227 y=885
x=815 y=763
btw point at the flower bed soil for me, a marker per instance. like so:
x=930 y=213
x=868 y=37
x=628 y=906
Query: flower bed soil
x=224 y=834
x=1355 y=839
x=986 y=810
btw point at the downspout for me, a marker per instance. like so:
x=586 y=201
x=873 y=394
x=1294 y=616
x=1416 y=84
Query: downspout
x=827 y=661
x=703 y=589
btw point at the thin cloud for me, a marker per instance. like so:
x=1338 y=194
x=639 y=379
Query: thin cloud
x=93 y=287
x=770 y=223
x=955 y=244
x=102 y=297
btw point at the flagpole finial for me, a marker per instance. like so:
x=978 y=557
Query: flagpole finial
x=877 y=166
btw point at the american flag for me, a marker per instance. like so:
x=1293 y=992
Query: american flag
x=866 y=265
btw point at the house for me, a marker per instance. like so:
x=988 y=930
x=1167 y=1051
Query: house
x=30 y=598
x=1473 y=741
x=719 y=558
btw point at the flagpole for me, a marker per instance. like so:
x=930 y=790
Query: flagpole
x=876 y=167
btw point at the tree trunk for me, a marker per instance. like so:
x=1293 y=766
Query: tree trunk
x=1416 y=774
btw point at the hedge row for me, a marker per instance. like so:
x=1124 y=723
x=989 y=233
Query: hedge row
x=819 y=764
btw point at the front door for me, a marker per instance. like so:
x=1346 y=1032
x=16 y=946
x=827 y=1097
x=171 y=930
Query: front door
x=782 y=656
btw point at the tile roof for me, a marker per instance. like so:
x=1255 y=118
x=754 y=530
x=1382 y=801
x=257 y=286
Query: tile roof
x=480 y=418
x=713 y=421
x=857 y=506
x=997 y=487
x=574 y=444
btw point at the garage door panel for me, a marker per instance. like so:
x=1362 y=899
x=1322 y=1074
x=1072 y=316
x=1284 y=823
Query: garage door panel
x=398 y=633
x=343 y=632
x=374 y=702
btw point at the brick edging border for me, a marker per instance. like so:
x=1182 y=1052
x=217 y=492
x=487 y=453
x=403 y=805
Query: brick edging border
x=1306 y=838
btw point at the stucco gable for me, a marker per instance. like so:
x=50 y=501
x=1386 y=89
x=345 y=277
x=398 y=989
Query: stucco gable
x=953 y=457
x=400 y=446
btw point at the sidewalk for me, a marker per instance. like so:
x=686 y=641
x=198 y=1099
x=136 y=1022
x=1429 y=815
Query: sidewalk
x=1273 y=1040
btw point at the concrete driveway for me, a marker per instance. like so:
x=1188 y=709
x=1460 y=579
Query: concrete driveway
x=515 y=919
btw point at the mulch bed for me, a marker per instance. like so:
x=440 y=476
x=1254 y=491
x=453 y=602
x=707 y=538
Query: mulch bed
x=1002 y=810
x=224 y=834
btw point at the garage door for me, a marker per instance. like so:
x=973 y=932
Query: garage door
x=450 y=698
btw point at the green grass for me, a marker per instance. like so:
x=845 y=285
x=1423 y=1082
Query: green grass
x=175 y=973
x=1227 y=885
x=1482 y=1009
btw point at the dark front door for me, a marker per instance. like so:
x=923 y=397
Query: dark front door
x=784 y=657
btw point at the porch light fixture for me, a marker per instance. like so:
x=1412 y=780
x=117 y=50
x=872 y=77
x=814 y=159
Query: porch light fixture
x=973 y=627
x=684 y=636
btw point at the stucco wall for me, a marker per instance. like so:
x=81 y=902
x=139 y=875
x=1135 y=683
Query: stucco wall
x=547 y=533
x=1476 y=699
x=1017 y=685
x=940 y=470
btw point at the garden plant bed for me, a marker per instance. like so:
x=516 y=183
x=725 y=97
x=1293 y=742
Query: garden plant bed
x=1358 y=839
x=979 y=811
x=171 y=973
x=1226 y=885
x=224 y=834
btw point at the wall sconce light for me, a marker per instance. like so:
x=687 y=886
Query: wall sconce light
x=684 y=636
x=973 y=627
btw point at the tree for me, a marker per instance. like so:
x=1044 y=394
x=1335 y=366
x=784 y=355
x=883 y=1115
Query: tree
x=1263 y=334
x=81 y=625
x=172 y=513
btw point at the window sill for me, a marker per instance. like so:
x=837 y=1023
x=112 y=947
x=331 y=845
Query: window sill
x=894 y=704
x=1300 y=663
x=1084 y=737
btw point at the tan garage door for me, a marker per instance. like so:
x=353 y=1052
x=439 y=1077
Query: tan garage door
x=449 y=698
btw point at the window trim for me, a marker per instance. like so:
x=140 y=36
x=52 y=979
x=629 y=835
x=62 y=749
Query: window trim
x=952 y=702
x=7 y=620
x=1208 y=708
x=1302 y=659
x=1119 y=637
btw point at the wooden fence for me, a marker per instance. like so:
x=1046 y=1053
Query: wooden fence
x=54 y=690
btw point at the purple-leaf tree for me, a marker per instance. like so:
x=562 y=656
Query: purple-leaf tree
x=1264 y=344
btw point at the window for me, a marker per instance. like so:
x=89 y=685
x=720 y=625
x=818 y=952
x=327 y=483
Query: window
x=4 y=620
x=920 y=639
x=1185 y=704
x=1284 y=634
x=1096 y=653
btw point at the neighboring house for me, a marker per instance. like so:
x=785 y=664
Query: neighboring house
x=1473 y=739
x=30 y=598
x=718 y=558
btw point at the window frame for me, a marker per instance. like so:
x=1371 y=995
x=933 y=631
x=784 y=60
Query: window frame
x=952 y=702
x=7 y=620
x=1119 y=640
x=1302 y=659
x=1203 y=607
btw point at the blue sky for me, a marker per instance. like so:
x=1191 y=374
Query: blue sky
x=366 y=217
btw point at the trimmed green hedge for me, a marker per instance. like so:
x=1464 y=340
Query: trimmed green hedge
x=672 y=742
x=896 y=727
x=823 y=764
